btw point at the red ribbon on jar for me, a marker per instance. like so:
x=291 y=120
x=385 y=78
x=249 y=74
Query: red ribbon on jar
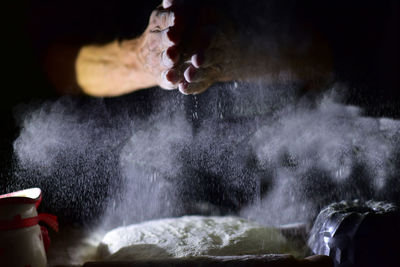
x=18 y=223
x=28 y=196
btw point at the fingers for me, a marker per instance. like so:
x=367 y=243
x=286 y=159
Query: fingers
x=186 y=35
x=193 y=75
x=198 y=59
x=196 y=80
x=170 y=56
x=171 y=78
x=167 y=80
x=193 y=88
x=171 y=3
x=162 y=19
x=167 y=3
x=204 y=59
x=197 y=74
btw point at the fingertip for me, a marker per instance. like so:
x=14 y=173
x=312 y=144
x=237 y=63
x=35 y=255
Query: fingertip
x=173 y=53
x=165 y=83
x=183 y=87
x=192 y=88
x=172 y=18
x=170 y=56
x=190 y=74
x=172 y=76
x=166 y=42
x=198 y=59
x=171 y=3
x=167 y=3
x=167 y=62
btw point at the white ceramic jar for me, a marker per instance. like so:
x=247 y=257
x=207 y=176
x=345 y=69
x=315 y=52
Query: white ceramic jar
x=21 y=240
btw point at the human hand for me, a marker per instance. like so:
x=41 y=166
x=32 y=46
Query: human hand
x=186 y=46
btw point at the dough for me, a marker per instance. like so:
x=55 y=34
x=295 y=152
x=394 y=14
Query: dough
x=191 y=236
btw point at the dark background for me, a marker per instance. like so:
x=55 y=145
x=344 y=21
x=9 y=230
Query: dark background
x=364 y=36
x=32 y=28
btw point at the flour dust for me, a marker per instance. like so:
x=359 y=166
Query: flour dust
x=254 y=150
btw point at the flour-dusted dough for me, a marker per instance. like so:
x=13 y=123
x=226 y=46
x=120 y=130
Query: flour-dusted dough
x=192 y=236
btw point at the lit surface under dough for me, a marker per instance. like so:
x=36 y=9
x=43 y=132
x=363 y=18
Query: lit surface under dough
x=192 y=236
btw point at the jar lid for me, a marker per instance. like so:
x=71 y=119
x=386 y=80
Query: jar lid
x=26 y=196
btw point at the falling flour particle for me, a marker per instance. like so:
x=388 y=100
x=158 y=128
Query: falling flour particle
x=192 y=236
